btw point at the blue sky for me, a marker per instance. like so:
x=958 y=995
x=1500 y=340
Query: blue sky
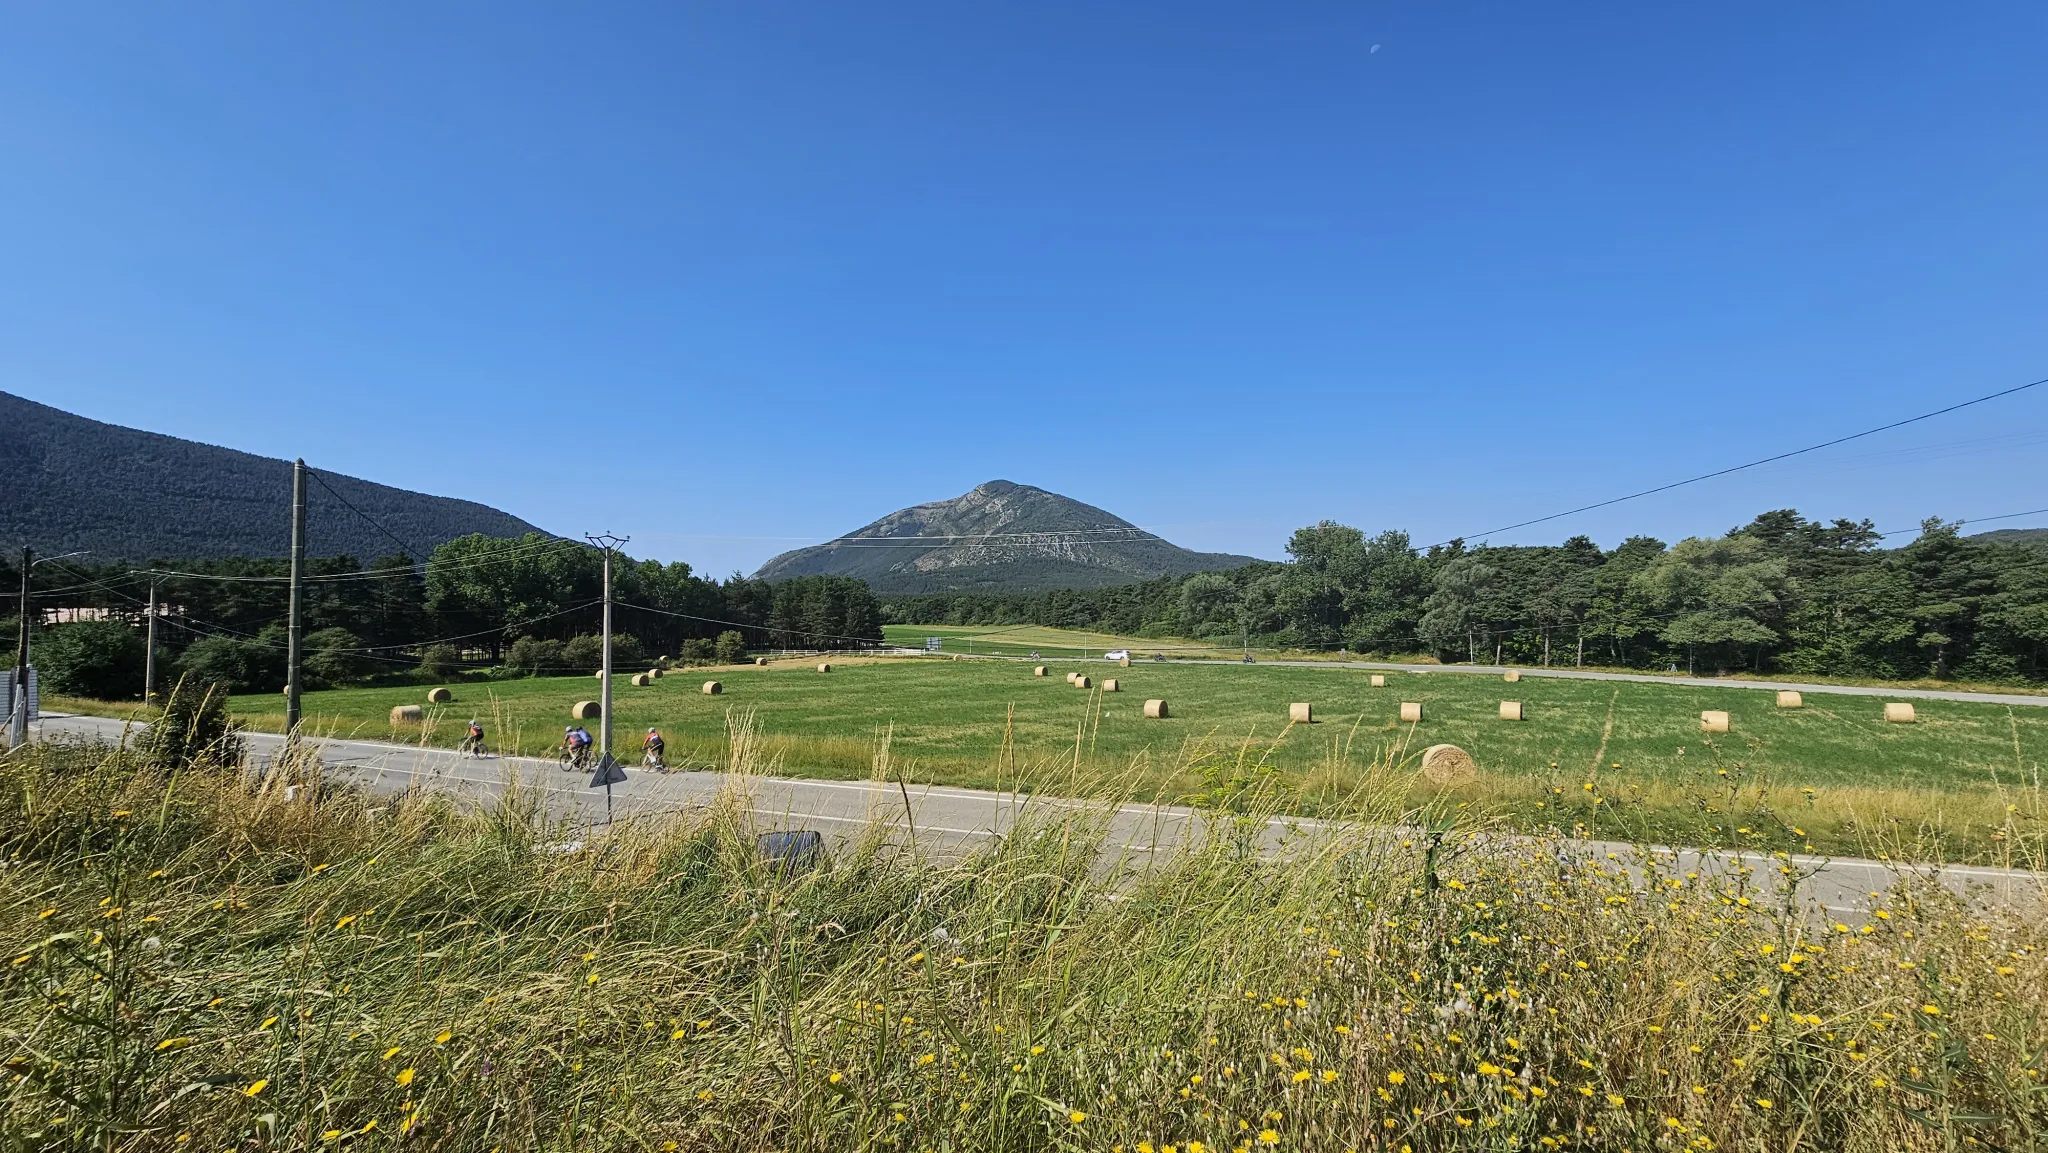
x=736 y=277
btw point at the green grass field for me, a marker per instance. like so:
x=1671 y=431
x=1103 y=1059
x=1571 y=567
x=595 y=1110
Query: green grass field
x=1051 y=643
x=1621 y=759
x=198 y=958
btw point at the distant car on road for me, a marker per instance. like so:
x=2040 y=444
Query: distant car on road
x=1117 y=655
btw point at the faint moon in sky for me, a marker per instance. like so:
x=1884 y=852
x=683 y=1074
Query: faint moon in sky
x=1375 y=48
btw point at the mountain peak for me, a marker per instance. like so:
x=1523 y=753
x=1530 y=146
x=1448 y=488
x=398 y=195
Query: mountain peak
x=999 y=536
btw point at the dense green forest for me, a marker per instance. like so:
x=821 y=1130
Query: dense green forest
x=516 y=606
x=1780 y=594
x=71 y=483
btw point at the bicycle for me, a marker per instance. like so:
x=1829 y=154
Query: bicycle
x=576 y=759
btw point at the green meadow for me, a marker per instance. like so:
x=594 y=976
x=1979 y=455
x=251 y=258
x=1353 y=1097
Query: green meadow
x=1620 y=759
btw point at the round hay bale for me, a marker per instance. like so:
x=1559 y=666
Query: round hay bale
x=1899 y=713
x=439 y=696
x=825 y=667
x=1511 y=710
x=1124 y=662
x=1379 y=680
x=1109 y=686
x=656 y=673
x=713 y=688
x=585 y=711
x=1156 y=710
x=1081 y=682
x=1447 y=764
x=642 y=680
x=599 y=674
x=1788 y=699
x=1511 y=676
x=406 y=714
x=1411 y=712
x=1713 y=721
x=761 y=661
x=1299 y=713
x=1038 y=670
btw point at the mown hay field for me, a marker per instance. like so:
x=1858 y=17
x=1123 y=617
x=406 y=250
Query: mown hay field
x=1620 y=759
x=196 y=959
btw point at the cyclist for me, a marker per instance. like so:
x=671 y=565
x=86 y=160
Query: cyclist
x=473 y=740
x=652 y=748
x=575 y=747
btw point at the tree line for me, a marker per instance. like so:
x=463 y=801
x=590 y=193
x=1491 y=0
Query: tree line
x=529 y=605
x=1780 y=594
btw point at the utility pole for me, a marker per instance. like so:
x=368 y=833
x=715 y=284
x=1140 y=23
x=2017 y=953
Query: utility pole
x=297 y=625
x=17 y=709
x=608 y=771
x=149 y=652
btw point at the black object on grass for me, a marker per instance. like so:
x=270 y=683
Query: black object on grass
x=793 y=851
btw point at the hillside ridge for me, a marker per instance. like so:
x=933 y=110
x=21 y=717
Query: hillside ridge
x=119 y=493
x=997 y=537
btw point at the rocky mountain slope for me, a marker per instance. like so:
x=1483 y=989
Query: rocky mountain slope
x=1000 y=537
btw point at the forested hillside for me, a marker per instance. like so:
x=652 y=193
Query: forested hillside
x=120 y=493
x=1780 y=594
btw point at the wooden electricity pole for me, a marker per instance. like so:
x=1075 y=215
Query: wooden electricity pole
x=297 y=620
x=17 y=704
x=149 y=652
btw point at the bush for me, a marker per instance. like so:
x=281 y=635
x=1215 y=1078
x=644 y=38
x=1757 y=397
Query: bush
x=731 y=647
x=535 y=657
x=585 y=654
x=440 y=661
x=235 y=665
x=194 y=728
x=698 y=649
x=102 y=659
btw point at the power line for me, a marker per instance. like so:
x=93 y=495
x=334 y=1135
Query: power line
x=1756 y=463
x=746 y=625
x=377 y=524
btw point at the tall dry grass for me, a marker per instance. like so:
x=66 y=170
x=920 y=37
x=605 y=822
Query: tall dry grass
x=203 y=960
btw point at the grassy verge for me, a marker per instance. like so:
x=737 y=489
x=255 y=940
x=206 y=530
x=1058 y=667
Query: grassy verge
x=197 y=961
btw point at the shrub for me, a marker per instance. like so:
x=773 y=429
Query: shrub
x=698 y=649
x=193 y=729
x=236 y=665
x=102 y=659
x=584 y=654
x=731 y=647
x=535 y=657
x=441 y=661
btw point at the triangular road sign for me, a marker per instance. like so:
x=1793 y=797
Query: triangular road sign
x=609 y=772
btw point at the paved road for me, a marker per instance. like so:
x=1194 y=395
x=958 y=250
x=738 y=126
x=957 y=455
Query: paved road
x=2033 y=700
x=946 y=819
